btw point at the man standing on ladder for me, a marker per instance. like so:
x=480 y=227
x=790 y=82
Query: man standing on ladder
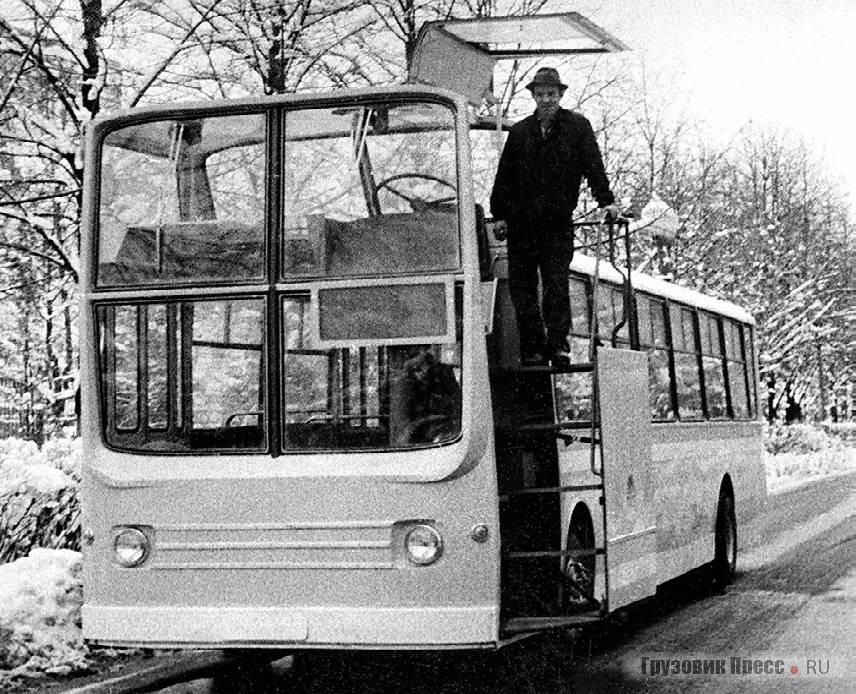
x=533 y=199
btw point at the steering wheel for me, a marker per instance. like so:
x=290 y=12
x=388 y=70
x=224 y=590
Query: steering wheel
x=418 y=204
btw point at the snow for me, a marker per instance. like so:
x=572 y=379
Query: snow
x=40 y=600
x=23 y=467
x=41 y=594
x=786 y=471
x=652 y=285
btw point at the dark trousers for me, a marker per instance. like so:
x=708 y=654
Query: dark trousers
x=545 y=247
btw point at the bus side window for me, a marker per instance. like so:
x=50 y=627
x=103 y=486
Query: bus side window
x=687 y=376
x=751 y=377
x=736 y=369
x=714 y=379
x=652 y=338
x=605 y=317
x=573 y=390
x=579 y=337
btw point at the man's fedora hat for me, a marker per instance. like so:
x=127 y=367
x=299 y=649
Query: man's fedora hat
x=546 y=77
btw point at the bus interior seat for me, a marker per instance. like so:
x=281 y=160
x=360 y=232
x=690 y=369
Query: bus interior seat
x=393 y=243
x=187 y=250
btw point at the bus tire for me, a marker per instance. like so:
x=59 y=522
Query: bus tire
x=578 y=572
x=725 y=553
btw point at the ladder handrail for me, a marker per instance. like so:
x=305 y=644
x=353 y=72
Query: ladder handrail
x=593 y=327
x=626 y=287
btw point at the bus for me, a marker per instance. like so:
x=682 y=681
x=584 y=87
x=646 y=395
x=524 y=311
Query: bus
x=304 y=420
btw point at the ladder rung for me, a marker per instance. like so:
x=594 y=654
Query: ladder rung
x=598 y=551
x=572 y=368
x=556 y=426
x=551 y=490
x=568 y=439
x=518 y=625
x=542 y=417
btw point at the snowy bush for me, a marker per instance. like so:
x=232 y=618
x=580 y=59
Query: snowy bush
x=800 y=452
x=845 y=431
x=791 y=469
x=798 y=438
x=38 y=496
x=40 y=600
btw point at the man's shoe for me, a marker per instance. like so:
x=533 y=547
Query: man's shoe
x=533 y=359
x=560 y=358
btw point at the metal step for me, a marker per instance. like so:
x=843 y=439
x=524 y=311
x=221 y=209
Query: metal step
x=572 y=368
x=568 y=439
x=551 y=490
x=534 y=554
x=520 y=625
x=581 y=425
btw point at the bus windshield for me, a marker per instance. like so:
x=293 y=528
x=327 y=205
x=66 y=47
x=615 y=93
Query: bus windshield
x=363 y=190
x=358 y=202
x=183 y=200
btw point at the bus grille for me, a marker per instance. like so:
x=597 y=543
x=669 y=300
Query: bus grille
x=362 y=545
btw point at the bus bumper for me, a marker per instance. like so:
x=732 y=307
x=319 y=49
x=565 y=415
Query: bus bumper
x=274 y=627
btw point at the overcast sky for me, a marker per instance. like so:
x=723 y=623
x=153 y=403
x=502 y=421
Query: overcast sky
x=786 y=63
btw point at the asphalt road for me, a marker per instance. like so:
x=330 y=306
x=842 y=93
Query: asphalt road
x=791 y=614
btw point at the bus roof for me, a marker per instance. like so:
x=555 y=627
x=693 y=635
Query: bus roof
x=326 y=97
x=657 y=287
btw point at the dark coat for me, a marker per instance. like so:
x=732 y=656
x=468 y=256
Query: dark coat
x=538 y=178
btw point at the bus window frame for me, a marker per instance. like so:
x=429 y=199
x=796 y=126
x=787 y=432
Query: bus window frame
x=747 y=348
x=273 y=288
x=726 y=372
x=274 y=114
x=667 y=348
x=184 y=349
x=719 y=321
x=713 y=321
x=681 y=311
x=267 y=112
x=280 y=115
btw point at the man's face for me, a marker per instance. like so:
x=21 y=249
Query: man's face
x=546 y=100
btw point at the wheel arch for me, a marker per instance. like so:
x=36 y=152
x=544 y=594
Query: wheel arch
x=581 y=517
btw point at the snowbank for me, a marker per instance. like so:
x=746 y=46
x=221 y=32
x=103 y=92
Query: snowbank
x=800 y=453
x=47 y=471
x=38 y=496
x=40 y=600
x=788 y=470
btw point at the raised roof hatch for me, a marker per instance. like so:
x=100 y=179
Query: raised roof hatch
x=459 y=54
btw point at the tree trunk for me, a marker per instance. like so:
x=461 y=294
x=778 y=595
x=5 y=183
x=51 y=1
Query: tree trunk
x=90 y=90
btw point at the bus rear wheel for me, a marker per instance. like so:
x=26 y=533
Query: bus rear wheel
x=578 y=570
x=725 y=553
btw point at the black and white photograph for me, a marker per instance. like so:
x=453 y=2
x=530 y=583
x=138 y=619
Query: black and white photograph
x=427 y=346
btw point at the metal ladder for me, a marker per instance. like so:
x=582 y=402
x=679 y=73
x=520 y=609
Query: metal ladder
x=535 y=569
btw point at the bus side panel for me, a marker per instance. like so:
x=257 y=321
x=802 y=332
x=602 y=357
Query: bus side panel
x=690 y=461
x=293 y=560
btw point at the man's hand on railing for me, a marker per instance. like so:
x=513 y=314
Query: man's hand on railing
x=610 y=213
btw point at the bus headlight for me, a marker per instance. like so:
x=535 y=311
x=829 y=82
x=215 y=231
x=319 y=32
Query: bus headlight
x=424 y=544
x=130 y=547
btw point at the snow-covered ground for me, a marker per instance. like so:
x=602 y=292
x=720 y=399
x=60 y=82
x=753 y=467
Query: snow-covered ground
x=788 y=470
x=41 y=594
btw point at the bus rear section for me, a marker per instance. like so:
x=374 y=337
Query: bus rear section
x=287 y=422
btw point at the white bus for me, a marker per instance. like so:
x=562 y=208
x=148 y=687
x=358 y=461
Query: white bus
x=304 y=419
